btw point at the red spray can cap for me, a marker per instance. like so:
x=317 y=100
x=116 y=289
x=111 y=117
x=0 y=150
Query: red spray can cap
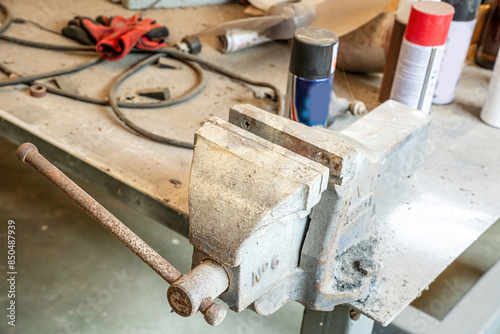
x=429 y=23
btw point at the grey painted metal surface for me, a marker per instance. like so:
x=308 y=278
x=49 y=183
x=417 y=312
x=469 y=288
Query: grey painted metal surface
x=451 y=200
x=337 y=321
x=477 y=312
x=128 y=194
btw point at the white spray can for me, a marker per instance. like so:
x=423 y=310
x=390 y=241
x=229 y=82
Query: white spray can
x=421 y=54
x=491 y=109
x=457 y=46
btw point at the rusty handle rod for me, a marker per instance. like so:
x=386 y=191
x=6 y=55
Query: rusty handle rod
x=28 y=153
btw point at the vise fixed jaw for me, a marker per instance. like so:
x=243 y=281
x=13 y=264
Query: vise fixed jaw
x=288 y=210
x=249 y=200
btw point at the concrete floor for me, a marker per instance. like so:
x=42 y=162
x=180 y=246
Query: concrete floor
x=74 y=277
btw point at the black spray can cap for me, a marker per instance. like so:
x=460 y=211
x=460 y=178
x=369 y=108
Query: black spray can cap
x=314 y=53
x=465 y=10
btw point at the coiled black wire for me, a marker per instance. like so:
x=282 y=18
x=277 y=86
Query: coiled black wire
x=112 y=102
x=188 y=59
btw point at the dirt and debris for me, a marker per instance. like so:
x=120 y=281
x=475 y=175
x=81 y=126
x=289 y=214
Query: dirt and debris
x=355 y=265
x=175 y=182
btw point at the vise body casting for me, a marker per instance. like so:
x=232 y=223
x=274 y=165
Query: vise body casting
x=288 y=211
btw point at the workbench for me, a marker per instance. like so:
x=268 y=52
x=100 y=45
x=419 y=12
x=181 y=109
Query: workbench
x=427 y=221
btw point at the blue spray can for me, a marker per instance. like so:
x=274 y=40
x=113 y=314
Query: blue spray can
x=310 y=77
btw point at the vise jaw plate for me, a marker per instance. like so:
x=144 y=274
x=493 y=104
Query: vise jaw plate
x=330 y=149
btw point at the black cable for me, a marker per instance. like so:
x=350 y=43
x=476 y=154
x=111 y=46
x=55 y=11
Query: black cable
x=8 y=18
x=112 y=93
x=46 y=46
x=168 y=51
x=19 y=20
x=32 y=78
x=121 y=116
x=195 y=90
x=112 y=102
x=228 y=73
x=189 y=59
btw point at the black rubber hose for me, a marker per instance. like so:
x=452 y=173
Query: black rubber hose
x=200 y=85
x=32 y=78
x=170 y=52
x=46 y=46
x=19 y=20
x=112 y=92
x=186 y=58
x=8 y=18
x=115 y=105
x=230 y=74
x=121 y=116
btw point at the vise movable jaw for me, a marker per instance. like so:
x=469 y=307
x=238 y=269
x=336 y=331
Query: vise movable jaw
x=288 y=210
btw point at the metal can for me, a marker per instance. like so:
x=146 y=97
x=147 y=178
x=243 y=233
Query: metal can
x=490 y=114
x=310 y=77
x=421 y=54
x=457 y=46
x=238 y=40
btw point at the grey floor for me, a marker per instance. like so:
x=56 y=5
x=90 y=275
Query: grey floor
x=74 y=277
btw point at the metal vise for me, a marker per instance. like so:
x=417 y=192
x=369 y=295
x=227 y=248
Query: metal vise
x=280 y=211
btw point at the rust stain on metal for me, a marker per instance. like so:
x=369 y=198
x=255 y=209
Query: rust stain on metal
x=206 y=281
x=180 y=301
x=28 y=153
x=38 y=90
x=354 y=315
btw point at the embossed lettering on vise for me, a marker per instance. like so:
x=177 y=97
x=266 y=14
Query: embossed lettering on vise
x=257 y=275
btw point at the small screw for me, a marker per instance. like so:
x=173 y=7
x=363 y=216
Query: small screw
x=245 y=124
x=354 y=315
x=358 y=266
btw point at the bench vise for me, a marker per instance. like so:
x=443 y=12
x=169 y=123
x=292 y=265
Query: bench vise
x=280 y=211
